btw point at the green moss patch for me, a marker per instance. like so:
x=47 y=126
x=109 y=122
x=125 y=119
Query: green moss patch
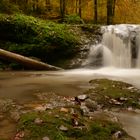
x=34 y=37
x=114 y=93
x=89 y=129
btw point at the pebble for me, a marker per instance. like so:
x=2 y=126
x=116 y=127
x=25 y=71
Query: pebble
x=45 y=138
x=64 y=110
x=81 y=97
x=117 y=135
x=63 y=128
x=40 y=108
x=38 y=121
x=84 y=109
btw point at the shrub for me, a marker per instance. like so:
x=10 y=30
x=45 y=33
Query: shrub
x=73 y=19
x=31 y=36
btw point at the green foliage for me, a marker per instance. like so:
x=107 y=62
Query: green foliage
x=30 y=36
x=8 y=7
x=73 y=19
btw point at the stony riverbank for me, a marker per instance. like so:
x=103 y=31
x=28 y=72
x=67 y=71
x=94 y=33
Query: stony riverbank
x=87 y=116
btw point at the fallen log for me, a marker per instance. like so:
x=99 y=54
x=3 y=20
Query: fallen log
x=25 y=61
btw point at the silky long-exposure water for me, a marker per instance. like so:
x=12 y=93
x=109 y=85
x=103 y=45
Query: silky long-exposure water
x=120 y=60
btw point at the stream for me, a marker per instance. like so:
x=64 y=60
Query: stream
x=22 y=86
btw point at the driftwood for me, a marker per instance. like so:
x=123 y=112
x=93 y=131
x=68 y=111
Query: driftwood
x=25 y=61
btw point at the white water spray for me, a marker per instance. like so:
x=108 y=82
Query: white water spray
x=121 y=45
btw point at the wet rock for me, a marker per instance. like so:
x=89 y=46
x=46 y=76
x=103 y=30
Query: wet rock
x=117 y=135
x=113 y=101
x=115 y=119
x=63 y=128
x=130 y=108
x=15 y=116
x=130 y=88
x=49 y=106
x=19 y=135
x=123 y=99
x=64 y=110
x=40 y=108
x=45 y=138
x=75 y=121
x=92 y=105
x=84 y=109
x=137 y=111
x=38 y=121
x=81 y=98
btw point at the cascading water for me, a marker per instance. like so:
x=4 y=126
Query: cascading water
x=121 y=45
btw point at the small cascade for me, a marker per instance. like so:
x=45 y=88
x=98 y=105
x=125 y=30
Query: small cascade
x=121 y=45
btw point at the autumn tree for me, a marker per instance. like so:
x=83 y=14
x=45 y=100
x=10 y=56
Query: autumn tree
x=110 y=11
x=95 y=11
x=62 y=8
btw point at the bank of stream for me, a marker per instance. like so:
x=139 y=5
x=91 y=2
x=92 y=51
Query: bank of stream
x=28 y=91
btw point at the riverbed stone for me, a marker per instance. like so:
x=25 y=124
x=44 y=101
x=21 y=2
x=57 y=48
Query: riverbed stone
x=117 y=135
x=38 y=121
x=85 y=110
x=45 y=138
x=81 y=97
x=15 y=115
x=92 y=105
x=63 y=128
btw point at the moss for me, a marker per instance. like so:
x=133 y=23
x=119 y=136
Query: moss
x=73 y=19
x=97 y=129
x=106 y=90
x=29 y=36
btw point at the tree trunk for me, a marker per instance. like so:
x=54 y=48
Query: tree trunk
x=62 y=8
x=109 y=11
x=80 y=8
x=48 y=5
x=95 y=11
x=114 y=4
x=25 y=61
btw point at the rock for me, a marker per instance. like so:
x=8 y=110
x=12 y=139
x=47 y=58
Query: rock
x=45 y=138
x=137 y=111
x=113 y=101
x=129 y=88
x=19 y=135
x=81 y=98
x=115 y=119
x=63 y=128
x=117 y=135
x=92 y=105
x=40 y=108
x=64 y=110
x=84 y=109
x=38 y=121
x=15 y=115
x=130 y=108
x=123 y=99
x=75 y=122
x=49 y=106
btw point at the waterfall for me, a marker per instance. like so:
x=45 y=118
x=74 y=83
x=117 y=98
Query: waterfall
x=121 y=46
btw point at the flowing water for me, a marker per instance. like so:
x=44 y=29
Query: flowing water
x=120 y=61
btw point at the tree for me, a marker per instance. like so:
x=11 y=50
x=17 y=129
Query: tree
x=80 y=8
x=95 y=11
x=110 y=10
x=25 y=61
x=62 y=8
x=48 y=5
